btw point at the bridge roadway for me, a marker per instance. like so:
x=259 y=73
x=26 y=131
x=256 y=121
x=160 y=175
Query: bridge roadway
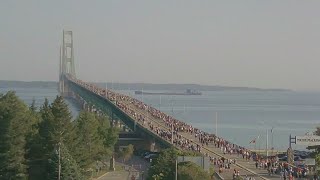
x=245 y=167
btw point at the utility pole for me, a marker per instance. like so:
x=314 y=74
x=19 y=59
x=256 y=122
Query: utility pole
x=176 y=174
x=272 y=141
x=59 y=162
x=172 y=123
x=160 y=104
x=112 y=85
x=106 y=90
x=217 y=124
x=267 y=143
x=142 y=94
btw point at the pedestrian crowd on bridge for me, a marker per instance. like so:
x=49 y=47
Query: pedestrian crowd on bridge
x=287 y=172
x=173 y=128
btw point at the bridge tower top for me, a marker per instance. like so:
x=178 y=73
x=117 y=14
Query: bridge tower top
x=66 y=62
x=67 y=55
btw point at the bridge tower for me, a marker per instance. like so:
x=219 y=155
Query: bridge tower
x=67 y=66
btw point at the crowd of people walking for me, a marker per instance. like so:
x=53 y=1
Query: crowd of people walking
x=190 y=138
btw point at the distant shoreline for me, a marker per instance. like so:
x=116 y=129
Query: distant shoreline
x=139 y=86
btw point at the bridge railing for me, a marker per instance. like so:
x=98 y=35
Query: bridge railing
x=130 y=112
x=126 y=111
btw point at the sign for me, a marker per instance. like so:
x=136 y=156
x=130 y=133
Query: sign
x=310 y=162
x=308 y=140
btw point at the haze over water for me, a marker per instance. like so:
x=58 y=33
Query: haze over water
x=242 y=115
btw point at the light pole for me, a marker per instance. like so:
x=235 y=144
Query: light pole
x=216 y=124
x=59 y=162
x=106 y=90
x=172 y=122
x=272 y=141
x=142 y=94
x=267 y=143
x=160 y=103
x=176 y=169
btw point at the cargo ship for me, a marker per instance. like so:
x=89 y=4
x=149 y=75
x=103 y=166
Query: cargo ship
x=187 y=92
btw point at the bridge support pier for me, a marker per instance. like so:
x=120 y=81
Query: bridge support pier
x=152 y=145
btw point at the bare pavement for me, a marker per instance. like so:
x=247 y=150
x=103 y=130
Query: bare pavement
x=135 y=167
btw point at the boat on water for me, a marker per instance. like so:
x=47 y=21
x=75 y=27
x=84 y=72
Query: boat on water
x=187 y=92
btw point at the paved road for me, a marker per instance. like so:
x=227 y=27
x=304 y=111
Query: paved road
x=116 y=175
x=133 y=167
x=138 y=165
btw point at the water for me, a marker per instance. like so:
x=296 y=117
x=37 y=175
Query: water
x=242 y=116
x=38 y=94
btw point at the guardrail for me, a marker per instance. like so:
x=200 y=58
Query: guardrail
x=218 y=176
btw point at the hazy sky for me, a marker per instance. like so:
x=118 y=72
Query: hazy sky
x=258 y=43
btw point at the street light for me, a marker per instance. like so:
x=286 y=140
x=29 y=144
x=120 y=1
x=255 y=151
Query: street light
x=216 y=124
x=160 y=103
x=272 y=141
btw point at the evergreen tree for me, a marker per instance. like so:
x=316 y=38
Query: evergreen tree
x=62 y=129
x=46 y=126
x=127 y=152
x=109 y=134
x=317 y=159
x=191 y=171
x=89 y=147
x=15 y=124
x=164 y=165
x=33 y=106
x=39 y=144
x=56 y=128
x=69 y=168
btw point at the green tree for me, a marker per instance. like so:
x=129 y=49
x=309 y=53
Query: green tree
x=16 y=122
x=33 y=106
x=127 y=152
x=69 y=167
x=191 y=171
x=89 y=144
x=62 y=130
x=35 y=146
x=46 y=126
x=163 y=167
x=317 y=158
x=56 y=128
x=36 y=159
x=109 y=134
x=40 y=147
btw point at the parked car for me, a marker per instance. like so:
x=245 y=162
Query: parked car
x=283 y=158
x=150 y=156
x=281 y=155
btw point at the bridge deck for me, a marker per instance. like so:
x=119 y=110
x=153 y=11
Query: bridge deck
x=246 y=167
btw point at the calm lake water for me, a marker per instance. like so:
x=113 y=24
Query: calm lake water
x=242 y=115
